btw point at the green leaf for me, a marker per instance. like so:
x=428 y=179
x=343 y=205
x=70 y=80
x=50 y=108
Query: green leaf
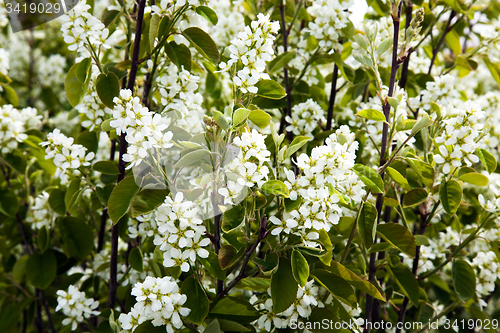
x=16 y=160
x=336 y=285
x=154 y=23
x=147 y=200
x=43 y=239
x=227 y=256
x=414 y=197
x=474 y=178
x=255 y=283
x=208 y=13
x=76 y=236
x=270 y=89
x=269 y=264
x=260 y=118
x=9 y=94
x=297 y=143
x=203 y=43
x=233 y=217
x=464 y=279
x=231 y=326
x=275 y=187
x=450 y=193
x=453 y=40
x=89 y=140
x=41 y=269
x=213 y=327
x=135 y=259
x=108 y=87
x=370 y=178
x=8 y=202
x=356 y=281
x=197 y=300
x=83 y=69
x=221 y=120
x=121 y=198
x=300 y=268
x=147 y=327
x=371 y=114
x=367 y=224
x=381 y=247
x=232 y=308
x=179 y=54
x=193 y=158
x=399 y=236
x=421 y=123
x=487 y=160
x=75 y=89
x=398 y=178
x=325 y=240
x=106 y=167
x=474 y=309
x=211 y=264
x=283 y=286
x=424 y=170
x=56 y=201
x=280 y=61
x=407 y=282
x=240 y=116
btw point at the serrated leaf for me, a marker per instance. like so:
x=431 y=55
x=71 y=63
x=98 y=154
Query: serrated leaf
x=487 y=160
x=300 y=268
x=399 y=236
x=283 y=286
x=197 y=300
x=275 y=187
x=203 y=43
x=121 y=198
x=450 y=194
x=260 y=118
x=208 y=13
x=464 y=279
x=371 y=114
x=270 y=89
x=135 y=259
x=106 y=167
x=41 y=269
x=414 y=197
x=367 y=223
x=398 y=178
x=407 y=282
x=370 y=178
x=108 y=87
x=280 y=61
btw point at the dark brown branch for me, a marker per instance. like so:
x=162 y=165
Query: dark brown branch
x=441 y=41
x=404 y=306
x=333 y=94
x=216 y=238
x=406 y=62
x=113 y=283
x=263 y=232
x=396 y=17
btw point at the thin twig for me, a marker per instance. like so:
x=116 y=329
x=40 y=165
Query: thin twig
x=263 y=232
x=406 y=62
x=441 y=41
x=333 y=94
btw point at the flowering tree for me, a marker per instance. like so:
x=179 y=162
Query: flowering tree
x=251 y=166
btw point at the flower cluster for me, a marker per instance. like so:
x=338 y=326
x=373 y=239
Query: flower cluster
x=75 y=306
x=178 y=93
x=330 y=19
x=325 y=182
x=13 y=124
x=66 y=155
x=41 y=213
x=442 y=91
x=93 y=110
x=307 y=297
x=158 y=300
x=248 y=168
x=144 y=129
x=252 y=48
x=180 y=232
x=458 y=140
x=305 y=118
x=81 y=29
x=488 y=268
